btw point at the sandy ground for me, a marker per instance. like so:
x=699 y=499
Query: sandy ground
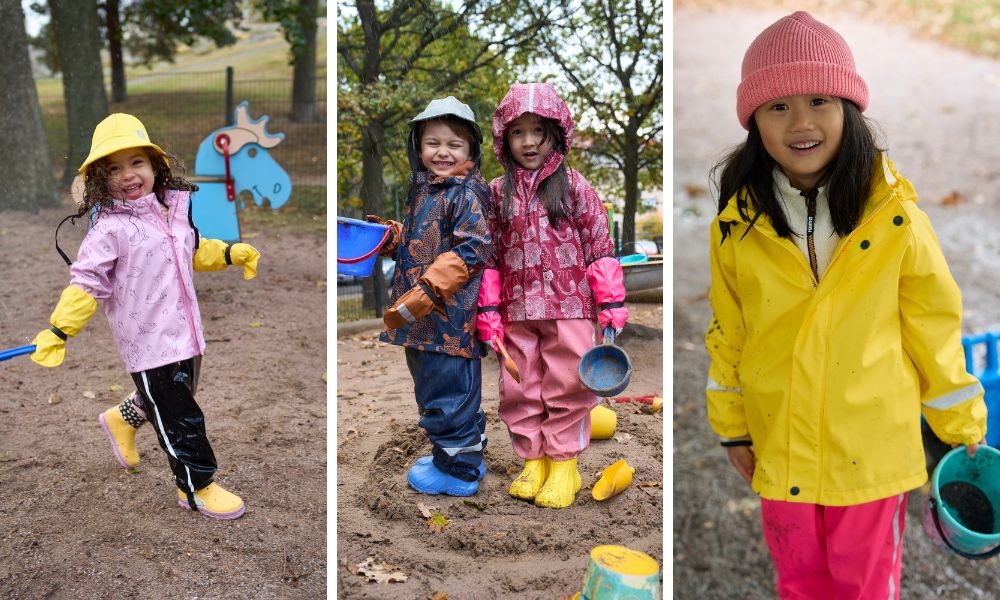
x=938 y=109
x=493 y=546
x=73 y=524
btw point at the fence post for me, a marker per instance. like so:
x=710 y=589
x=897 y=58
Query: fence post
x=229 y=97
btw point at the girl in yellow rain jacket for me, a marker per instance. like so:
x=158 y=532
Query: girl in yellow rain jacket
x=836 y=321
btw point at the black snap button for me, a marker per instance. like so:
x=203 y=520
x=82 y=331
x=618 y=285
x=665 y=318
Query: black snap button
x=865 y=244
x=794 y=490
x=897 y=220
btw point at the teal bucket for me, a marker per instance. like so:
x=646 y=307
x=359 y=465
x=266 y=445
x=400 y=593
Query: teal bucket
x=358 y=243
x=963 y=510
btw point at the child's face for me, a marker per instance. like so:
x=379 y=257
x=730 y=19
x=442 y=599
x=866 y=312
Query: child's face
x=131 y=173
x=525 y=136
x=802 y=134
x=442 y=150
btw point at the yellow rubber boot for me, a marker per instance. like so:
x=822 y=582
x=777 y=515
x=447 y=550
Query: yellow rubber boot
x=122 y=437
x=560 y=488
x=527 y=484
x=213 y=501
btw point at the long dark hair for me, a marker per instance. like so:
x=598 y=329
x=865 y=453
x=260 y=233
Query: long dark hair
x=747 y=171
x=98 y=190
x=554 y=190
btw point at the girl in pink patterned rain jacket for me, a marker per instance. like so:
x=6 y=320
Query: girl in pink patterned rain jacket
x=138 y=261
x=553 y=273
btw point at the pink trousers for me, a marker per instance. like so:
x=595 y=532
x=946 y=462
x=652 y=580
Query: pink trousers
x=548 y=413
x=836 y=552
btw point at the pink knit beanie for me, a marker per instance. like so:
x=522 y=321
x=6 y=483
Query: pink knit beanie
x=797 y=55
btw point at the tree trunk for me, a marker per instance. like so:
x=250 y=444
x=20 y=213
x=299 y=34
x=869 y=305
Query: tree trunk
x=304 y=70
x=630 y=171
x=25 y=170
x=77 y=31
x=372 y=194
x=112 y=20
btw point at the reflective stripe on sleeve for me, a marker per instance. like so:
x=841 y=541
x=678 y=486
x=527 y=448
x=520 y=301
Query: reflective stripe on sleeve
x=957 y=397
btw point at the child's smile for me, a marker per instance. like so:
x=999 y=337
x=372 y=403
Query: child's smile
x=527 y=140
x=802 y=134
x=131 y=172
x=442 y=150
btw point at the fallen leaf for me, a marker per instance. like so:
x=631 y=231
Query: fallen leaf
x=623 y=438
x=149 y=554
x=745 y=506
x=55 y=398
x=256 y=324
x=951 y=199
x=89 y=395
x=650 y=484
x=438 y=596
x=427 y=512
x=379 y=572
x=437 y=522
x=116 y=387
x=6 y=456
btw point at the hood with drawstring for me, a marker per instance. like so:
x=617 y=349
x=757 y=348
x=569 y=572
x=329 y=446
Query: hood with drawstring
x=443 y=107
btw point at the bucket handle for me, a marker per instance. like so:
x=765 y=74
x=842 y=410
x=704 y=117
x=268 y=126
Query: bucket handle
x=609 y=336
x=366 y=255
x=937 y=523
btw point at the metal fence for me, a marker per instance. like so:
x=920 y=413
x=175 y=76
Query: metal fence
x=180 y=109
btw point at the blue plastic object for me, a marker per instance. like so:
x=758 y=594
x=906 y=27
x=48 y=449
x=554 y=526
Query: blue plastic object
x=11 y=353
x=633 y=259
x=961 y=488
x=605 y=369
x=357 y=246
x=425 y=477
x=989 y=376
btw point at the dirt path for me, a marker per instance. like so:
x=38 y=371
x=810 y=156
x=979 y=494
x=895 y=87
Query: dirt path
x=73 y=524
x=939 y=111
x=493 y=546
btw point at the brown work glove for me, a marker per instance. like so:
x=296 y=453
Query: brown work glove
x=395 y=234
x=438 y=284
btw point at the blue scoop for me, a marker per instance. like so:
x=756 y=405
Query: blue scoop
x=605 y=369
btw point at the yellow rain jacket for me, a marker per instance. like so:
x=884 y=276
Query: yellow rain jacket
x=829 y=380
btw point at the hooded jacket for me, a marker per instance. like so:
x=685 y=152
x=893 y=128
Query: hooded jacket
x=443 y=214
x=829 y=380
x=543 y=265
x=138 y=265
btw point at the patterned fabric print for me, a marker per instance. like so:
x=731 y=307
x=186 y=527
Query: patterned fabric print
x=543 y=268
x=443 y=215
x=138 y=266
x=129 y=411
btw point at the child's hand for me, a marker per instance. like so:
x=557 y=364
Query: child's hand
x=395 y=234
x=743 y=459
x=50 y=350
x=246 y=256
x=410 y=308
x=971 y=449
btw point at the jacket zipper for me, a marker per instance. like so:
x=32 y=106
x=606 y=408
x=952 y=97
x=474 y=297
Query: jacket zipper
x=177 y=268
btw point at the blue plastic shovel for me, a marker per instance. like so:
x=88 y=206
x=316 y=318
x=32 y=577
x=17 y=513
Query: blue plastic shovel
x=11 y=353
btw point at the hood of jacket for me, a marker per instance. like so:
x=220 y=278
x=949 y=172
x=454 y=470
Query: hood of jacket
x=538 y=98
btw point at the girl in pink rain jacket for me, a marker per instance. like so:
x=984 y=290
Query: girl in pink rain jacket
x=553 y=274
x=138 y=260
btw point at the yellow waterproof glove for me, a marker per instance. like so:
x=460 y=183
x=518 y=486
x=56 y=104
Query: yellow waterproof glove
x=74 y=309
x=216 y=255
x=246 y=256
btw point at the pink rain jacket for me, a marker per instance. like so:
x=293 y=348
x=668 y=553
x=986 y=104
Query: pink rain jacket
x=139 y=266
x=543 y=268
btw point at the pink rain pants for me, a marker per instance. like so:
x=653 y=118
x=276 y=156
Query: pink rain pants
x=836 y=552
x=548 y=413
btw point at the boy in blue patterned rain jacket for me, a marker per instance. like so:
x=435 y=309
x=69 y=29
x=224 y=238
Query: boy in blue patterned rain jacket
x=440 y=249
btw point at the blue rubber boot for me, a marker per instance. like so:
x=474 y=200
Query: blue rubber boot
x=425 y=477
x=426 y=460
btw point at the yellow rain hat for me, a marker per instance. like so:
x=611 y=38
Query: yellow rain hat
x=117 y=132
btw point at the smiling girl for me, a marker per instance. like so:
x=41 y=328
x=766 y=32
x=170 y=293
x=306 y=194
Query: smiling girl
x=553 y=276
x=137 y=260
x=836 y=322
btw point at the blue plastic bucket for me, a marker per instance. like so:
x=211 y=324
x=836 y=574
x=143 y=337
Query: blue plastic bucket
x=964 y=503
x=633 y=259
x=357 y=246
x=605 y=369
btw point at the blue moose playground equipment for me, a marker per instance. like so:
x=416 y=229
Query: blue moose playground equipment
x=988 y=375
x=232 y=160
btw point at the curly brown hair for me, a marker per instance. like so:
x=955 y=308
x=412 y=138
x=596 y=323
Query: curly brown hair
x=98 y=190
